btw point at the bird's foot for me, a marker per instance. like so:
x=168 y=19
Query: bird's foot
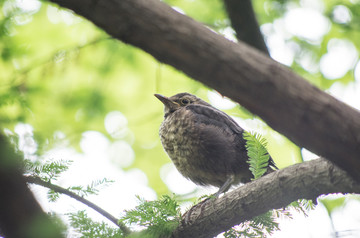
x=201 y=204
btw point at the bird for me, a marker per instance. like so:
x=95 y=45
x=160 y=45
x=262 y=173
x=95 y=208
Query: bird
x=205 y=144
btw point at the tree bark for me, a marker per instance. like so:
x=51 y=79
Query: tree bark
x=289 y=104
x=276 y=190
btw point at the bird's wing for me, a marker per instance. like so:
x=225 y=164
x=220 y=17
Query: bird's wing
x=221 y=146
x=215 y=116
x=218 y=133
x=220 y=119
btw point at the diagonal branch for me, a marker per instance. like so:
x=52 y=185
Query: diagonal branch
x=276 y=190
x=243 y=21
x=306 y=115
x=58 y=189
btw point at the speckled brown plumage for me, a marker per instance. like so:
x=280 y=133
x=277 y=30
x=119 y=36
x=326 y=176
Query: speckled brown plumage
x=205 y=144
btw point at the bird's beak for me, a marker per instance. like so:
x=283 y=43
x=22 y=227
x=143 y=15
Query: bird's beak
x=171 y=105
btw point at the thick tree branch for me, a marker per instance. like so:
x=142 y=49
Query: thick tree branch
x=276 y=190
x=58 y=189
x=243 y=21
x=20 y=214
x=306 y=115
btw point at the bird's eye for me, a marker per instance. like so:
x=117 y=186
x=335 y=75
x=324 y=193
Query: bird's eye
x=185 y=101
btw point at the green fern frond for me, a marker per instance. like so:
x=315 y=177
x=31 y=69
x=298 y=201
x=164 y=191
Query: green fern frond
x=47 y=171
x=160 y=217
x=259 y=227
x=257 y=153
x=91 y=229
x=265 y=224
x=302 y=205
x=92 y=189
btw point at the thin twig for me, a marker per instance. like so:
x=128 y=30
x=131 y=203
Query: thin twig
x=58 y=189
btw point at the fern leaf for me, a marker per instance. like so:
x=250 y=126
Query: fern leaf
x=257 y=153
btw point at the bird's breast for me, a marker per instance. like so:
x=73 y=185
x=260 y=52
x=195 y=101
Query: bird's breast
x=176 y=133
x=178 y=137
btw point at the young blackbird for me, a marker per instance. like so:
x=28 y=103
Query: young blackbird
x=205 y=144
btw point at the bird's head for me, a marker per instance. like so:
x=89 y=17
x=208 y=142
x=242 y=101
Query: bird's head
x=178 y=101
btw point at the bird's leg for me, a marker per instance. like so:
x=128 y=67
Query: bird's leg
x=221 y=190
x=225 y=186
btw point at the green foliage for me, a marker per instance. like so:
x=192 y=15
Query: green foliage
x=160 y=217
x=50 y=171
x=47 y=171
x=91 y=229
x=70 y=84
x=257 y=153
x=92 y=189
x=53 y=196
x=265 y=224
x=63 y=74
x=260 y=226
x=302 y=205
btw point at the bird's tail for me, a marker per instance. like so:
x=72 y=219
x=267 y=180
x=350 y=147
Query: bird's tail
x=271 y=166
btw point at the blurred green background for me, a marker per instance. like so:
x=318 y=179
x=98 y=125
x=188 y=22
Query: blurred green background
x=61 y=77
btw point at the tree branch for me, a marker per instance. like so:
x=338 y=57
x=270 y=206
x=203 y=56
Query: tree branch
x=306 y=115
x=243 y=21
x=58 y=189
x=275 y=190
